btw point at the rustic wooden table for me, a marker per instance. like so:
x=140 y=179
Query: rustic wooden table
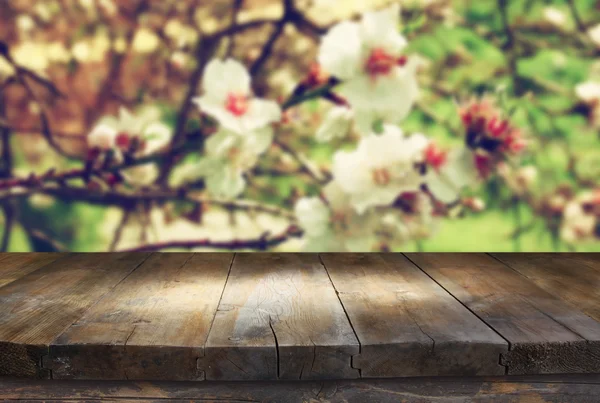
x=476 y=326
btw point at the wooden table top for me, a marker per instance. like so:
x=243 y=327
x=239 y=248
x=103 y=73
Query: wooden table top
x=269 y=316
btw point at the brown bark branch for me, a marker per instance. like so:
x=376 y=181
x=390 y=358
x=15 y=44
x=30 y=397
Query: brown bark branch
x=264 y=242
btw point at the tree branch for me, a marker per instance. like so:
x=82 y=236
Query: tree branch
x=128 y=200
x=264 y=242
x=204 y=50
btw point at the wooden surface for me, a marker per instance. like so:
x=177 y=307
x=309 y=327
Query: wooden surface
x=16 y=265
x=407 y=324
x=36 y=308
x=573 y=277
x=157 y=316
x=539 y=389
x=249 y=317
x=280 y=318
x=546 y=334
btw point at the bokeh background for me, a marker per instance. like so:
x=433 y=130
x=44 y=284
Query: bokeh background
x=84 y=59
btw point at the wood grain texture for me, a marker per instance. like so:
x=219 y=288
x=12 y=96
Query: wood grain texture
x=16 y=265
x=153 y=325
x=546 y=334
x=39 y=306
x=564 y=389
x=279 y=318
x=573 y=277
x=406 y=324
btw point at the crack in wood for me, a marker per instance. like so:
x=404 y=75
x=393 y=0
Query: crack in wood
x=421 y=329
x=337 y=293
x=312 y=365
x=468 y=308
x=276 y=346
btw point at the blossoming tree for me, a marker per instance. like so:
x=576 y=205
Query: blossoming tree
x=382 y=186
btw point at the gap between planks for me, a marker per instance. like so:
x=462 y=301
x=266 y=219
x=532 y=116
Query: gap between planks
x=547 y=335
x=198 y=361
x=470 y=310
x=400 y=332
x=337 y=293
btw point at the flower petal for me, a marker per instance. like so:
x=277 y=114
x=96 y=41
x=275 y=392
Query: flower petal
x=102 y=136
x=380 y=29
x=227 y=183
x=220 y=143
x=312 y=215
x=224 y=77
x=157 y=136
x=141 y=175
x=216 y=109
x=386 y=98
x=260 y=113
x=336 y=124
x=259 y=141
x=350 y=171
x=340 y=50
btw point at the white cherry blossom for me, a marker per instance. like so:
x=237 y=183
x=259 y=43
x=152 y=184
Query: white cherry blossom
x=227 y=97
x=414 y=220
x=142 y=134
x=594 y=34
x=378 y=80
x=579 y=223
x=454 y=175
x=588 y=91
x=555 y=16
x=228 y=157
x=144 y=127
x=381 y=168
x=102 y=137
x=313 y=215
x=333 y=224
x=337 y=124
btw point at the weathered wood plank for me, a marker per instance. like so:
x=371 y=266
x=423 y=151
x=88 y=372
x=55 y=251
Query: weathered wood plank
x=279 y=318
x=37 y=307
x=153 y=325
x=16 y=265
x=573 y=277
x=579 y=389
x=408 y=325
x=546 y=335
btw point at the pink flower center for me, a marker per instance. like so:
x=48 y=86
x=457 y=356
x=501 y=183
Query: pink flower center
x=435 y=157
x=484 y=165
x=237 y=104
x=381 y=63
x=123 y=141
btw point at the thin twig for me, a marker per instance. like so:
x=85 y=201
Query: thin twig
x=9 y=221
x=240 y=28
x=129 y=200
x=235 y=10
x=6 y=172
x=45 y=122
x=119 y=230
x=267 y=48
x=204 y=50
x=264 y=242
x=305 y=165
x=52 y=176
x=509 y=46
